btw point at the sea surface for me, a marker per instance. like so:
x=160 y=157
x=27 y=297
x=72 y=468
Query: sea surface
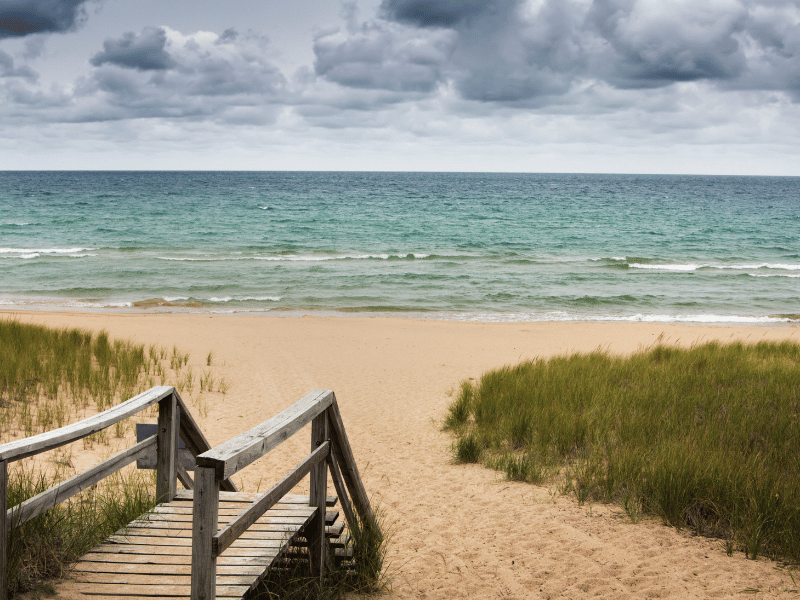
x=463 y=246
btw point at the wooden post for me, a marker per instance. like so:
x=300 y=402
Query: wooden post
x=204 y=528
x=167 y=449
x=3 y=530
x=318 y=491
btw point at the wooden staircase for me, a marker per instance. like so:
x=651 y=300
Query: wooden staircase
x=208 y=540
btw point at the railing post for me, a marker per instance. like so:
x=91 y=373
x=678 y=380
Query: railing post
x=3 y=530
x=318 y=491
x=167 y=449
x=204 y=528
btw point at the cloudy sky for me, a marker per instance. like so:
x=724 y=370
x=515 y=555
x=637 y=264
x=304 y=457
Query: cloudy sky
x=627 y=86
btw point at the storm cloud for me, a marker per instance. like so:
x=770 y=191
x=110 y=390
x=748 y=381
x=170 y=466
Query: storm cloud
x=23 y=17
x=144 y=51
x=513 y=51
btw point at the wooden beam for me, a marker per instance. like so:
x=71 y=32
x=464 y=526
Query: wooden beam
x=4 y=527
x=339 y=486
x=66 y=489
x=235 y=454
x=251 y=514
x=347 y=462
x=318 y=490
x=167 y=449
x=58 y=437
x=204 y=528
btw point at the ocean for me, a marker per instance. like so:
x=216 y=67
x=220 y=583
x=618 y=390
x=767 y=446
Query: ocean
x=461 y=246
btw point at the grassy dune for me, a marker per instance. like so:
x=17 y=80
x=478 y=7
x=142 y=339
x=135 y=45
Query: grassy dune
x=706 y=438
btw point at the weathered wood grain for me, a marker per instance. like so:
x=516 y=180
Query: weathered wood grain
x=58 y=437
x=160 y=589
x=206 y=506
x=4 y=528
x=347 y=463
x=341 y=492
x=235 y=454
x=318 y=490
x=247 y=497
x=251 y=514
x=167 y=449
x=51 y=497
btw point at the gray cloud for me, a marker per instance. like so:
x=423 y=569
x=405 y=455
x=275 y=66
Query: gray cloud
x=144 y=51
x=533 y=52
x=384 y=55
x=161 y=73
x=435 y=13
x=7 y=69
x=24 y=17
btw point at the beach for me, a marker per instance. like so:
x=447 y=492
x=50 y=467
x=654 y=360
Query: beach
x=456 y=531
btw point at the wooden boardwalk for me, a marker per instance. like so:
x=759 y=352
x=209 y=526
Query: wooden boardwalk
x=210 y=540
x=152 y=557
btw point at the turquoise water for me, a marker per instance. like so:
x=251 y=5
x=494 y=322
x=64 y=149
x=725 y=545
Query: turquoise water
x=436 y=245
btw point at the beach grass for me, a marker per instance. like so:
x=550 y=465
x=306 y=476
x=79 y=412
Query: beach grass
x=41 y=549
x=705 y=438
x=50 y=378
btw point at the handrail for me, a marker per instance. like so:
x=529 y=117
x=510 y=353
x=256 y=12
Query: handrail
x=32 y=507
x=330 y=449
x=174 y=420
x=56 y=438
x=230 y=457
x=267 y=500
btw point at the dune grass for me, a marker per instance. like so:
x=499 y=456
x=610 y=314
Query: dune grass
x=706 y=437
x=42 y=548
x=50 y=378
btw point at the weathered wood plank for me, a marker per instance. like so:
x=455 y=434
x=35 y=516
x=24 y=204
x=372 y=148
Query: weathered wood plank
x=158 y=590
x=251 y=514
x=187 y=495
x=318 y=491
x=167 y=449
x=341 y=492
x=206 y=506
x=180 y=537
x=156 y=568
x=51 y=497
x=160 y=542
x=98 y=557
x=5 y=526
x=226 y=515
x=179 y=554
x=174 y=550
x=235 y=454
x=347 y=463
x=150 y=579
x=184 y=522
x=58 y=437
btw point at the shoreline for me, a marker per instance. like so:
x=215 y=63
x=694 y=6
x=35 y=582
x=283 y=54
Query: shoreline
x=458 y=531
x=153 y=307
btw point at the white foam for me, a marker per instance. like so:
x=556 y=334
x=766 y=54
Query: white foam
x=672 y=267
x=43 y=250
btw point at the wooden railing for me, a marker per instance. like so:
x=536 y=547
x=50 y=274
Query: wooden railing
x=174 y=422
x=330 y=449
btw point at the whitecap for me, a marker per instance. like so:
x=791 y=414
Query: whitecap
x=672 y=267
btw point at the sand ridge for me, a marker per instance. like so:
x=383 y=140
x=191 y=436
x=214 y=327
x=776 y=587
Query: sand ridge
x=458 y=531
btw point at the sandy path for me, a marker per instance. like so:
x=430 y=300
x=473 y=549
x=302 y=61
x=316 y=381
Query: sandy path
x=458 y=531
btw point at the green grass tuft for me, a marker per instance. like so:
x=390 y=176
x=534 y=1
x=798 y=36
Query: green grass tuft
x=706 y=437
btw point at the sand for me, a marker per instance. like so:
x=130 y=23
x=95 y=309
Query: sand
x=457 y=531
